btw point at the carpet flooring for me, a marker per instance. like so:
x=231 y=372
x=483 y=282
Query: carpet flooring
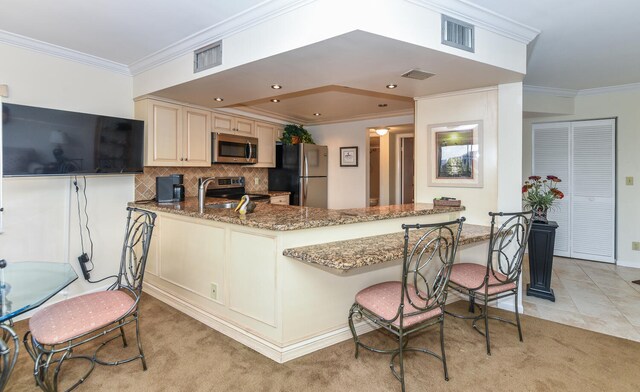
x=185 y=355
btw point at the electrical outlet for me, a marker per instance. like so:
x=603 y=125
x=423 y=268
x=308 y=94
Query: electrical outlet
x=214 y=291
x=628 y=180
x=256 y=181
x=635 y=245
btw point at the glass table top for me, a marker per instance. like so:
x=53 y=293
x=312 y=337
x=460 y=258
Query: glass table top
x=26 y=285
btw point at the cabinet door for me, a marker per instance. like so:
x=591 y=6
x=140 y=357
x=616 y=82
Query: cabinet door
x=223 y=124
x=244 y=127
x=164 y=134
x=266 y=134
x=196 y=137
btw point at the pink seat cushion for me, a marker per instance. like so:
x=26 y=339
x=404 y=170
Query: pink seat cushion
x=76 y=316
x=383 y=299
x=470 y=276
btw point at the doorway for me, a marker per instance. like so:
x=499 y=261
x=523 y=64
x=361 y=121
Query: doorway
x=374 y=171
x=391 y=165
x=406 y=173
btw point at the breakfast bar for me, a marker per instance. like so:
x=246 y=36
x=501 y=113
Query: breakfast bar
x=281 y=279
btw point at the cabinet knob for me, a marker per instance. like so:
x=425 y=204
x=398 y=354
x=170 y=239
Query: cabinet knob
x=186 y=159
x=182 y=159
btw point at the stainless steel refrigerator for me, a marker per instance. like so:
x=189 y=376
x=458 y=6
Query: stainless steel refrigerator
x=302 y=170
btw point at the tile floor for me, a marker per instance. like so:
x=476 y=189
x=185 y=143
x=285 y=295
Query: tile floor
x=590 y=295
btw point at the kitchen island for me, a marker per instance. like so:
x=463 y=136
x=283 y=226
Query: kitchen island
x=231 y=271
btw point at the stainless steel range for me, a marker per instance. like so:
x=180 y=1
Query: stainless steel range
x=233 y=188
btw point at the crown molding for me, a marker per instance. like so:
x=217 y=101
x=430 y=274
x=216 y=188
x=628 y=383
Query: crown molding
x=557 y=92
x=456 y=93
x=610 y=89
x=63 y=53
x=481 y=17
x=250 y=17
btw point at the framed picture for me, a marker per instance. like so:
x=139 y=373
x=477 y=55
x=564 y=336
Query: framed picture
x=455 y=154
x=349 y=156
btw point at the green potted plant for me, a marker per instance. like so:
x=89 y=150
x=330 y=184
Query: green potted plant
x=539 y=195
x=294 y=134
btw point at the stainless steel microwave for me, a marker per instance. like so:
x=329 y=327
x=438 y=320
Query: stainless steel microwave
x=227 y=148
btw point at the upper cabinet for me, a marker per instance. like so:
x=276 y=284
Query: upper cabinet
x=196 y=139
x=223 y=123
x=175 y=135
x=266 y=134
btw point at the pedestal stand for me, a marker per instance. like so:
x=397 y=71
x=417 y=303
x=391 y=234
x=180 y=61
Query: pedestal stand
x=541 y=243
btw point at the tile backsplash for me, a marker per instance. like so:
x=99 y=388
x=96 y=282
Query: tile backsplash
x=146 y=182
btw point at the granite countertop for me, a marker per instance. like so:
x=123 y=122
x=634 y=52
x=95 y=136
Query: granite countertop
x=278 y=193
x=283 y=217
x=343 y=256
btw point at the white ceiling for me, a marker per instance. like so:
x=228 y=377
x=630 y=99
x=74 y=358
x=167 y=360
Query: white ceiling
x=584 y=44
x=123 y=31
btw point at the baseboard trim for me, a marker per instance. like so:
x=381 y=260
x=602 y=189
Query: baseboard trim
x=625 y=263
x=270 y=350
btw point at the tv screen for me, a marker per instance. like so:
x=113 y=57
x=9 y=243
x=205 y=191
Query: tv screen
x=38 y=141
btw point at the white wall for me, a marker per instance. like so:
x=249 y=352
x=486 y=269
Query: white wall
x=461 y=106
x=500 y=109
x=348 y=185
x=624 y=106
x=40 y=218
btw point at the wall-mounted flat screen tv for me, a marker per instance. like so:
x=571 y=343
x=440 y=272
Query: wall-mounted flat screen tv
x=38 y=141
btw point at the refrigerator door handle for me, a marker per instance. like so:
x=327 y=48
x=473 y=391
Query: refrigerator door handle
x=305 y=191
x=306 y=165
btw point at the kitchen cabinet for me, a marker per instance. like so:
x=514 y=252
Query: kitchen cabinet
x=234 y=125
x=282 y=200
x=196 y=140
x=175 y=135
x=266 y=134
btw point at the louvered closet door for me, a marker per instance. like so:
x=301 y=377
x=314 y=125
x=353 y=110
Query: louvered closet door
x=551 y=157
x=593 y=190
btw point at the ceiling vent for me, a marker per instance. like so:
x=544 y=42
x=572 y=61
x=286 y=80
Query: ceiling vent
x=457 y=33
x=207 y=57
x=417 y=74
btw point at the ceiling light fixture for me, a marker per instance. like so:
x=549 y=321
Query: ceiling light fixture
x=276 y=86
x=218 y=99
x=382 y=131
x=392 y=86
x=275 y=100
x=317 y=114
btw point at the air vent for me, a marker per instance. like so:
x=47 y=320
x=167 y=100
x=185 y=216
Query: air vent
x=457 y=33
x=417 y=74
x=207 y=57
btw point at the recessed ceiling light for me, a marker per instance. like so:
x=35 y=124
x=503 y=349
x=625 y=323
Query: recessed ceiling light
x=276 y=86
x=382 y=105
x=218 y=99
x=275 y=100
x=392 y=85
x=317 y=114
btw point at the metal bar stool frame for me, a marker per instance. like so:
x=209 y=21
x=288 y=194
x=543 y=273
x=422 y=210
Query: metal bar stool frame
x=437 y=245
x=500 y=269
x=47 y=358
x=8 y=355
